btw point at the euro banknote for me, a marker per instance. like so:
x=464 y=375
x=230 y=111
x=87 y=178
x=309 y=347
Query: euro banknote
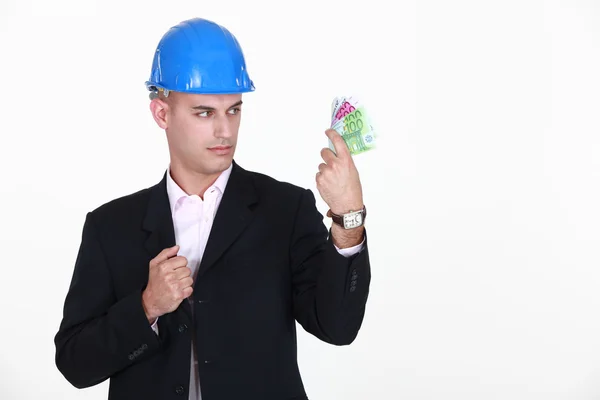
x=350 y=119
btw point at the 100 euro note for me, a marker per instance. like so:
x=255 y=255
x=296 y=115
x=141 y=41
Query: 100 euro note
x=350 y=119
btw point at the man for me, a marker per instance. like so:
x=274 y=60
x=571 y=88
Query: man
x=191 y=288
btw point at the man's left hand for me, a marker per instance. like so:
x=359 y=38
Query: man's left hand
x=338 y=181
x=339 y=185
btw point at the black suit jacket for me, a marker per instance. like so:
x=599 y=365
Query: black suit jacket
x=269 y=262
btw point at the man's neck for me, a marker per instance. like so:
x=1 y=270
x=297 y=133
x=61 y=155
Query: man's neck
x=192 y=182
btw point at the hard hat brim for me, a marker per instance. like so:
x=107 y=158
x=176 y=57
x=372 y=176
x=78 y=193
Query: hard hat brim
x=152 y=87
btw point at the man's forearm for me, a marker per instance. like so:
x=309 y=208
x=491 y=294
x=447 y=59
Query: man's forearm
x=90 y=352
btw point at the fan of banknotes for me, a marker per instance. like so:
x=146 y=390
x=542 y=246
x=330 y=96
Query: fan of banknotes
x=349 y=118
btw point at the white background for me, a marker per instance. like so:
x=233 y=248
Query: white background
x=483 y=193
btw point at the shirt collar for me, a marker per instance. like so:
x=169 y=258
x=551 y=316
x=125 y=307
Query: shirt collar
x=175 y=192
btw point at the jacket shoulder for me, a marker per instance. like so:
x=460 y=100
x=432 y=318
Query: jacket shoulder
x=125 y=206
x=269 y=186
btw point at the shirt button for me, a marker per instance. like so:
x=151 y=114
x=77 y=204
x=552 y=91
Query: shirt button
x=182 y=328
x=179 y=390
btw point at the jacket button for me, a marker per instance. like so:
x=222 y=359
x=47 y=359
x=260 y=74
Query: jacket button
x=179 y=389
x=182 y=328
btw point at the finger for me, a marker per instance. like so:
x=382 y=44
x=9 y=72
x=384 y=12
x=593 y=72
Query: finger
x=327 y=155
x=181 y=273
x=164 y=255
x=341 y=150
x=186 y=282
x=322 y=168
x=187 y=292
x=319 y=178
x=174 y=263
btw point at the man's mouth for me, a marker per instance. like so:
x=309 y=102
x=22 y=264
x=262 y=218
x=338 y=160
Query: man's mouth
x=221 y=150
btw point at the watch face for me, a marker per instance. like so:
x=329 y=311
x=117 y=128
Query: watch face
x=353 y=220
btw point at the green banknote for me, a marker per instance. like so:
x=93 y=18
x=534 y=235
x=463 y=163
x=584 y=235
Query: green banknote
x=350 y=119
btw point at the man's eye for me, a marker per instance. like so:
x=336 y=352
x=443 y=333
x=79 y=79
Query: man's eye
x=203 y=114
x=234 y=111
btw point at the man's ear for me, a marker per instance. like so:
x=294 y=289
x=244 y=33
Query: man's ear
x=159 y=109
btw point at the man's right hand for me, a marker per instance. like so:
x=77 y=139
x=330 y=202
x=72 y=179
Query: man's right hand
x=169 y=282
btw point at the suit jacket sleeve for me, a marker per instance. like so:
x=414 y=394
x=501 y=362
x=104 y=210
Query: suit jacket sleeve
x=330 y=290
x=99 y=334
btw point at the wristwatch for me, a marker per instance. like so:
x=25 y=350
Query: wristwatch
x=350 y=220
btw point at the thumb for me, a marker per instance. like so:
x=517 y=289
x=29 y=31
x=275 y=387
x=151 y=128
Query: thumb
x=341 y=148
x=164 y=255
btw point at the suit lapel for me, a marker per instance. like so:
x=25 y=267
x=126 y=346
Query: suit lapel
x=158 y=222
x=233 y=216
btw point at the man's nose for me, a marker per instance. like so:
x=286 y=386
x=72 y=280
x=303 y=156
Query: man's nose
x=223 y=127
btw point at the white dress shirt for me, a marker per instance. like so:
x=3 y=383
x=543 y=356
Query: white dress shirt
x=192 y=221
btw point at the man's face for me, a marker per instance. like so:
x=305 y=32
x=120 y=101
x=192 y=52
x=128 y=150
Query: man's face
x=201 y=129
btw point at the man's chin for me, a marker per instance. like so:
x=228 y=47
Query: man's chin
x=220 y=165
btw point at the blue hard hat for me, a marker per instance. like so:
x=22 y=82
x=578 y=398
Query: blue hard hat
x=199 y=56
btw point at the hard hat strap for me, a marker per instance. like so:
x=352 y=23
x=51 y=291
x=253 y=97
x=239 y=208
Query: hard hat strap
x=154 y=93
